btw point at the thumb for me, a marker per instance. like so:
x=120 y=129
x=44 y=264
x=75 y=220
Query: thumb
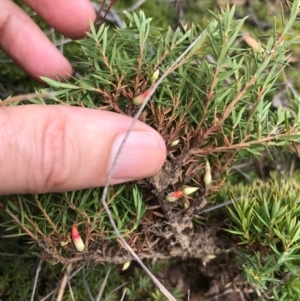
x=61 y=148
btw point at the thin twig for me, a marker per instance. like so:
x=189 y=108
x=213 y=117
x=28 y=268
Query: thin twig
x=100 y=10
x=104 y=194
x=64 y=283
x=112 y=2
x=283 y=280
x=188 y=295
x=28 y=232
x=226 y=203
x=103 y=285
x=87 y=288
x=27 y=97
x=123 y=296
x=36 y=279
x=15 y=255
x=112 y=16
x=56 y=289
x=69 y=283
x=116 y=289
x=49 y=220
x=228 y=291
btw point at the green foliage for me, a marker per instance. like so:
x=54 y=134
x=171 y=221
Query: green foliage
x=48 y=218
x=289 y=291
x=142 y=288
x=216 y=102
x=161 y=12
x=15 y=282
x=266 y=223
x=18 y=270
x=220 y=109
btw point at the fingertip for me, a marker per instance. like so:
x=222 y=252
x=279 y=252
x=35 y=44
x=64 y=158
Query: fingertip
x=79 y=29
x=57 y=67
x=161 y=152
x=142 y=155
x=44 y=61
x=69 y=18
x=27 y=45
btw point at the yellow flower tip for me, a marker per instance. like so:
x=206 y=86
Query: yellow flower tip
x=207 y=258
x=207 y=175
x=189 y=190
x=207 y=165
x=175 y=142
x=155 y=75
x=174 y=196
x=210 y=256
x=207 y=178
x=63 y=243
x=138 y=100
x=126 y=265
x=171 y=199
x=77 y=240
x=186 y=205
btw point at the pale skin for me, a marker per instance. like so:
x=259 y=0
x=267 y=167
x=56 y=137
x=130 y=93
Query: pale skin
x=60 y=148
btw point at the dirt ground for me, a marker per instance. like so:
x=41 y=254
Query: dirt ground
x=217 y=280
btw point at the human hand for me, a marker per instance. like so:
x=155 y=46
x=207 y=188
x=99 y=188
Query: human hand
x=61 y=148
x=27 y=45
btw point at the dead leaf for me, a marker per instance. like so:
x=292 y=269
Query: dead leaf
x=252 y=42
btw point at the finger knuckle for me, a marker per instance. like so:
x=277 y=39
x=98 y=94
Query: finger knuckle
x=57 y=153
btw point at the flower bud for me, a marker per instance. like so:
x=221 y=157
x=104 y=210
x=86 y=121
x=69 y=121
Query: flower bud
x=78 y=242
x=207 y=258
x=189 y=190
x=186 y=205
x=175 y=142
x=126 y=265
x=64 y=243
x=174 y=196
x=138 y=100
x=155 y=75
x=207 y=175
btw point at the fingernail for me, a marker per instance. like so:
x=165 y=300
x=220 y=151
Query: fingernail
x=139 y=158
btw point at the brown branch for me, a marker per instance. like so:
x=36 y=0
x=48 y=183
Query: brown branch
x=230 y=107
x=28 y=232
x=46 y=215
x=26 y=97
x=205 y=152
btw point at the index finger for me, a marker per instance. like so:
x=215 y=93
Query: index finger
x=27 y=45
x=69 y=17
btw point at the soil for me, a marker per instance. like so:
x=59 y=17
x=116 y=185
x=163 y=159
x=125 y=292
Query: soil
x=217 y=280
